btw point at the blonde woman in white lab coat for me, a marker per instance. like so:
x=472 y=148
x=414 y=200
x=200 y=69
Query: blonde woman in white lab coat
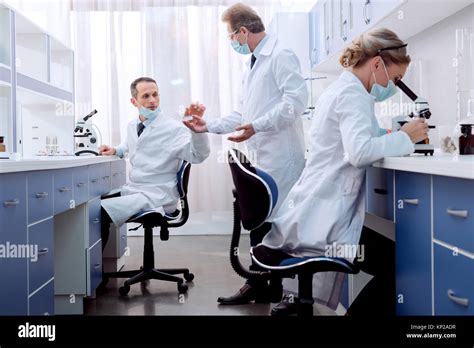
x=327 y=204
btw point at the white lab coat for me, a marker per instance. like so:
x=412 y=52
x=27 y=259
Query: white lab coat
x=155 y=158
x=327 y=204
x=274 y=96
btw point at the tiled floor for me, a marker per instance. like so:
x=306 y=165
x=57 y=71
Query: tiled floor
x=206 y=256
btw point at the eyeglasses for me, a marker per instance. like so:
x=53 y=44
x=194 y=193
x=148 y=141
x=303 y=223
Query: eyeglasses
x=231 y=35
x=390 y=48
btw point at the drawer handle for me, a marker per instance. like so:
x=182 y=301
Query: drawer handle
x=97 y=265
x=106 y=177
x=43 y=251
x=15 y=201
x=459 y=213
x=412 y=201
x=123 y=237
x=115 y=174
x=64 y=189
x=81 y=184
x=94 y=181
x=460 y=301
x=96 y=221
x=381 y=191
x=41 y=194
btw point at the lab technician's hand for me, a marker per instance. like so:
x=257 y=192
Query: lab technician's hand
x=195 y=109
x=417 y=130
x=107 y=150
x=247 y=132
x=197 y=125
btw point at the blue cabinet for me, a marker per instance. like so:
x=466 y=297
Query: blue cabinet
x=13 y=245
x=80 y=178
x=41 y=270
x=106 y=179
x=453 y=282
x=62 y=186
x=95 y=181
x=94 y=221
x=413 y=243
x=119 y=174
x=42 y=301
x=95 y=267
x=40 y=196
x=380 y=192
x=453 y=210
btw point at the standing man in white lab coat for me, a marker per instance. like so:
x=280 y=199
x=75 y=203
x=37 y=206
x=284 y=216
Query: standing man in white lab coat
x=274 y=97
x=156 y=144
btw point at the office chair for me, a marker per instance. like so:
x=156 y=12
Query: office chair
x=150 y=219
x=256 y=194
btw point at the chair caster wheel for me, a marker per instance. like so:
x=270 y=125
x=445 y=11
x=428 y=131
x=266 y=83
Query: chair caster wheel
x=182 y=288
x=124 y=290
x=189 y=277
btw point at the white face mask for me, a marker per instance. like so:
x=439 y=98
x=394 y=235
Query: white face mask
x=380 y=92
x=149 y=114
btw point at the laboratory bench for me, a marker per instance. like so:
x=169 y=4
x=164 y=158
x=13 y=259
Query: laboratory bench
x=51 y=255
x=426 y=204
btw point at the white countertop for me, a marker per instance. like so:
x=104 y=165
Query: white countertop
x=439 y=164
x=51 y=162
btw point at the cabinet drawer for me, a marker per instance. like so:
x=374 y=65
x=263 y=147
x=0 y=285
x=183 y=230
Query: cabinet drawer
x=40 y=196
x=123 y=240
x=119 y=175
x=94 y=181
x=41 y=237
x=453 y=282
x=106 y=178
x=42 y=302
x=380 y=192
x=62 y=181
x=80 y=178
x=453 y=211
x=413 y=243
x=13 y=270
x=95 y=268
x=94 y=221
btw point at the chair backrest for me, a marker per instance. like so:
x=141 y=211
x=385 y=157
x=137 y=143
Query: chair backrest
x=257 y=192
x=183 y=178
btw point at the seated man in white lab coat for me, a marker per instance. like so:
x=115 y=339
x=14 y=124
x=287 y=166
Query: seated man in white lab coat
x=156 y=144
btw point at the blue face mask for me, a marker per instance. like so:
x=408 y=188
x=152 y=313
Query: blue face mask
x=380 y=92
x=242 y=49
x=150 y=115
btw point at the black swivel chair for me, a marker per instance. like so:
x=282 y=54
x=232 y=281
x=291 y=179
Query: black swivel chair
x=150 y=219
x=256 y=195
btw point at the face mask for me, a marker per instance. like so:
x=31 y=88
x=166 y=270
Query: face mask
x=380 y=92
x=242 y=49
x=150 y=115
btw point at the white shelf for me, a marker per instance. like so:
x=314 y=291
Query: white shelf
x=5 y=35
x=62 y=66
x=41 y=116
x=5 y=114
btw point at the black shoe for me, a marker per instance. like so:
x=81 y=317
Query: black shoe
x=287 y=306
x=246 y=294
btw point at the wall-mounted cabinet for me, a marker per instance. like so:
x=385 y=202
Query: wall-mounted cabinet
x=5 y=36
x=338 y=22
x=40 y=84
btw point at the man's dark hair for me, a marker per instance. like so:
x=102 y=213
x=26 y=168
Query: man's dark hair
x=133 y=86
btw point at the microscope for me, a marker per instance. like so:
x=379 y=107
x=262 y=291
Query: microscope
x=421 y=110
x=88 y=136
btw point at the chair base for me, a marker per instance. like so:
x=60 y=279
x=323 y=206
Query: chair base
x=142 y=275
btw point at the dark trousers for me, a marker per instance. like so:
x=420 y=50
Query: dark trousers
x=378 y=296
x=256 y=237
x=105 y=221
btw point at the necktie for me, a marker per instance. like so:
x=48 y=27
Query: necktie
x=252 y=62
x=140 y=128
